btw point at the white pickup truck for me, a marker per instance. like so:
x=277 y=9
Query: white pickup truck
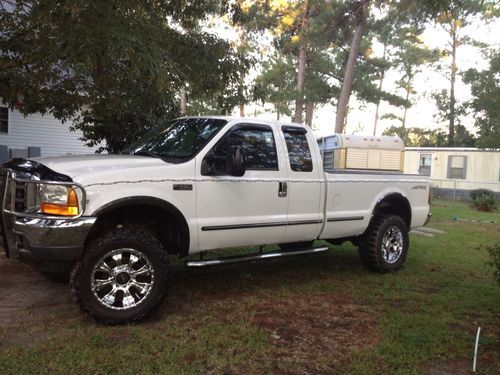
x=194 y=185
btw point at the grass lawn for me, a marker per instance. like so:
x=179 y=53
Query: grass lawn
x=322 y=313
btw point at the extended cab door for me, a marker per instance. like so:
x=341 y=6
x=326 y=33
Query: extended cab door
x=247 y=210
x=305 y=184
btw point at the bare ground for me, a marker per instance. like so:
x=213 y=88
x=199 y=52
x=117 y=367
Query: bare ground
x=311 y=333
x=31 y=306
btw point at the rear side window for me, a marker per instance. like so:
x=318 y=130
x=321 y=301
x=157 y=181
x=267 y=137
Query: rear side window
x=257 y=143
x=299 y=153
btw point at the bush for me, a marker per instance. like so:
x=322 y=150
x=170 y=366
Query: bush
x=484 y=199
x=494 y=252
x=474 y=194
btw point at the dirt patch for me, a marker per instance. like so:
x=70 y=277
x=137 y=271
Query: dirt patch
x=315 y=333
x=32 y=308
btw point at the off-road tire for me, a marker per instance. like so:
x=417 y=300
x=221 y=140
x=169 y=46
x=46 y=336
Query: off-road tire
x=128 y=237
x=371 y=250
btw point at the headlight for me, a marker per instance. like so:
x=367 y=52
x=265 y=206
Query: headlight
x=58 y=200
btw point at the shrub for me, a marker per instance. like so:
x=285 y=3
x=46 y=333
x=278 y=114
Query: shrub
x=494 y=252
x=483 y=199
x=474 y=194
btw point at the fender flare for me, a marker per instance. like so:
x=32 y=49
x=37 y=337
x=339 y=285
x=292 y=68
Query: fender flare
x=390 y=199
x=156 y=203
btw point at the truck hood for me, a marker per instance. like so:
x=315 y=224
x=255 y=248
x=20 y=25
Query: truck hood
x=78 y=165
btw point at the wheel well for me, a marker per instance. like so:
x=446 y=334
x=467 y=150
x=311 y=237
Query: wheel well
x=162 y=219
x=394 y=204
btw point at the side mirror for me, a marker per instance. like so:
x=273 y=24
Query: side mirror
x=235 y=161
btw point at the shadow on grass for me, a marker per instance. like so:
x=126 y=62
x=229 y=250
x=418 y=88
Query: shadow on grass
x=193 y=288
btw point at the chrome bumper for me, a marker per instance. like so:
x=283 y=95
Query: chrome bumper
x=36 y=237
x=47 y=239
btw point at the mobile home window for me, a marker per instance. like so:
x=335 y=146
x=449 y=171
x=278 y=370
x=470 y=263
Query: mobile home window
x=4 y=120
x=457 y=167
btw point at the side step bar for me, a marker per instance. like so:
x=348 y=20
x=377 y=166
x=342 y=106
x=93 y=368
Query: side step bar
x=252 y=257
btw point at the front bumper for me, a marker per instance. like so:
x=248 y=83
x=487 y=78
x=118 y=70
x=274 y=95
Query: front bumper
x=43 y=240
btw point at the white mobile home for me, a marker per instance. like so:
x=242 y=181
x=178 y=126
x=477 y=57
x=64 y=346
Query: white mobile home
x=36 y=135
x=455 y=171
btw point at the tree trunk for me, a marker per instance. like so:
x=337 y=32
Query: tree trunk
x=344 y=129
x=301 y=68
x=454 y=45
x=309 y=113
x=403 y=122
x=345 y=91
x=277 y=115
x=241 y=94
x=382 y=75
x=183 y=109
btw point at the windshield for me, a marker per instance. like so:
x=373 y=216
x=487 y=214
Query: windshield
x=178 y=140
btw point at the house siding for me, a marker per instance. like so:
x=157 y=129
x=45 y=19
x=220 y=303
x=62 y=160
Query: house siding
x=53 y=137
x=482 y=168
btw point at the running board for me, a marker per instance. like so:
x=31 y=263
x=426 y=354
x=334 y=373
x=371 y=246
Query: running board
x=252 y=257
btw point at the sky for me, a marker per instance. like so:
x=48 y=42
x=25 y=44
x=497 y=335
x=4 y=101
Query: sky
x=422 y=113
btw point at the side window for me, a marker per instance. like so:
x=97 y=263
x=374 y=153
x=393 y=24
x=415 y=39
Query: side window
x=257 y=143
x=298 y=149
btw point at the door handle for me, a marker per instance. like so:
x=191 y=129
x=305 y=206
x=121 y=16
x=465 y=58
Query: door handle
x=282 y=189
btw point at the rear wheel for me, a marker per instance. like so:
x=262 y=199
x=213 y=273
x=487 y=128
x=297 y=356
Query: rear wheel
x=122 y=276
x=385 y=245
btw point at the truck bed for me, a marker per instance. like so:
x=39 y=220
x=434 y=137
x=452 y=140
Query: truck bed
x=351 y=196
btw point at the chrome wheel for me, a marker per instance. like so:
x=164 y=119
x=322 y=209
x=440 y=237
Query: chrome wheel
x=122 y=279
x=392 y=245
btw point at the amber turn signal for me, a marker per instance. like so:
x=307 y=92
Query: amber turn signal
x=69 y=209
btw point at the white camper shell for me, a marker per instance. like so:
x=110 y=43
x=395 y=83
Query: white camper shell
x=344 y=151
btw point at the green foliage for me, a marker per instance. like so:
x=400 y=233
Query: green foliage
x=453 y=18
x=418 y=137
x=485 y=88
x=474 y=194
x=494 y=262
x=462 y=137
x=442 y=101
x=276 y=84
x=327 y=37
x=484 y=200
x=113 y=68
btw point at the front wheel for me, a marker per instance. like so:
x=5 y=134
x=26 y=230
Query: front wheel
x=385 y=245
x=122 y=276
